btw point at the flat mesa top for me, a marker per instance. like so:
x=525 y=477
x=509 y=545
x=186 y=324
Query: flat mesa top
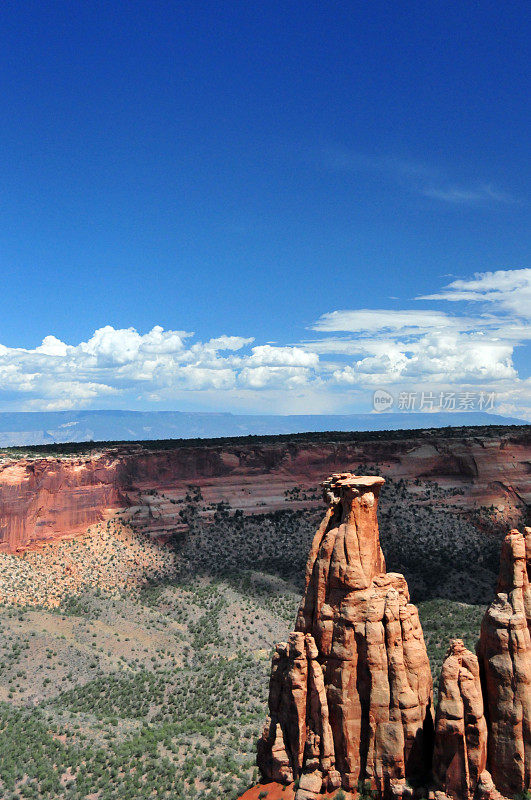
x=357 y=481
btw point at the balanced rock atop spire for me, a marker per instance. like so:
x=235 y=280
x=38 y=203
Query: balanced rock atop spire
x=351 y=692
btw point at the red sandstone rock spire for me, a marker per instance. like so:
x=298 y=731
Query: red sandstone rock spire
x=504 y=653
x=460 y=752
x=351 y=693
x=483 y=720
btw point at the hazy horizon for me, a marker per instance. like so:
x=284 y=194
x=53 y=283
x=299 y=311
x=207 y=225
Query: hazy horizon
x=19 y=429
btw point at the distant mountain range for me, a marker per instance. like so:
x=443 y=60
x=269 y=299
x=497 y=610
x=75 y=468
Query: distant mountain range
x=34 y=428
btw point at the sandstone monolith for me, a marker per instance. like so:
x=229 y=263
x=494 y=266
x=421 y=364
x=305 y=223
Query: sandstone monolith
x=350 y=695
x=504 y=654
x=460 y=752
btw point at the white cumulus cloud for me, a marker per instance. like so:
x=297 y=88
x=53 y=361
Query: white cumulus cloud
x=353 y=351
x=508 y=289
x=158 y=365
x=283 y=356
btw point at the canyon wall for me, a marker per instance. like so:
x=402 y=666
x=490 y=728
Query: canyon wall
x=42 y=498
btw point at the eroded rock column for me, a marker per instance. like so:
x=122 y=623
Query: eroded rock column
x=460 y=753
x=368 y=697
x=504 y=653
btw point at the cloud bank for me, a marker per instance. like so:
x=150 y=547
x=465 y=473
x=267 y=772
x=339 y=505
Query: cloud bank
x=469 y=344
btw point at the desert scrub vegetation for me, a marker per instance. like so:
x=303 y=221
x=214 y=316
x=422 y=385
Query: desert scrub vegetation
x=424 y=535
x=112 y=558
x=182 y=728
x=145 y=673
x=113 y=696
x=145 y=722
x=443 y=620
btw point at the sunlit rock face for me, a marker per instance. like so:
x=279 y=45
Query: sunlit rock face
x=46 y=499
x=351 y=691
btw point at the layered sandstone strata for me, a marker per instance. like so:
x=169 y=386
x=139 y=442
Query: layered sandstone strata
x=351 y=692
x=47 y=498
x=504 y=653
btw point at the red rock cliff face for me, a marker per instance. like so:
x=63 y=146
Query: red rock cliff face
x=492 y=469
x=351 y=692
x=46 y=499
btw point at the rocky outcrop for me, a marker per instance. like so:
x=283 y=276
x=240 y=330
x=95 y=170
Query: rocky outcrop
x=483 y=720
x=460 y=752
x=297 y=696
x=351 y=692
x=504 y=653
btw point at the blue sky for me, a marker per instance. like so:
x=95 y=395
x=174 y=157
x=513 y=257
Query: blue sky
x=241 y=171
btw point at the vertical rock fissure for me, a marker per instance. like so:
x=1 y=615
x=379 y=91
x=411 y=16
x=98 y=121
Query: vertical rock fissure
x=363 y=689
